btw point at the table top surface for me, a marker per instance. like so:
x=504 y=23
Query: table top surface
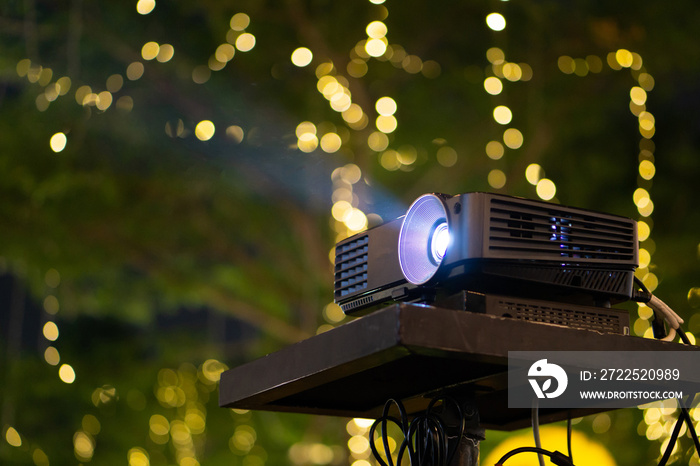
x=411 y=353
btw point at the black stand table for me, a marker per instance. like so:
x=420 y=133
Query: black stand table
x=411 y=353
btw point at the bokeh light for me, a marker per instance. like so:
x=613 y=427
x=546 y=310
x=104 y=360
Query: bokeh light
x=302 y=57
x=58 y=142
x=496 y=21
x=144 y=7
x=204 y=130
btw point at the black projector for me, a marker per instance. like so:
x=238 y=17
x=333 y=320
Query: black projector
x=491 y=244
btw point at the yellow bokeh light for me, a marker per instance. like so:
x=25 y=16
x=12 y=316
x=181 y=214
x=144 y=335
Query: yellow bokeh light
x=305 y=127
x=356 y=220
x=512 y=72
x=51 y=356
x=114 y=83
x=378 y=141
x=624 y=58
x=150 y=50
x=497 y=179
x=341 y=210
x=66 y=374
x=566 y=64
x=376 y=30
x=50 y=331
x=643 y=230
x=331 y=142
x=204 y=130
x=546 y=189
x=104 y=100
x=125 y=103
x=495 y=150
x=390 y=160
x=138 y=457
x=580 y=67
x=145 y=6
x=353 y=114
x=214 y=64
x=493 y=85
x=307 y=142
x=495 y=56
x=23 y=67
x=447 y=156
x=357 y=68
x=646 y=121
x=375 y=47
x=646 y=81
x=239 y=21
x=496 y=21
x=58 y=142
x=640 y=196
x=644 y=258
x=502 y=115
x=245 y=42
x=302 y=57
x=407 y=155
x=51 y=305
x=341 y=101
x=236 y=133
x=83 y=445
x=513 y=138
x=134 y=71
x=645 y=209
x=225 y=53
x=386 y=106
x=647 y=170
x=386 y=123
x=638 y=95
x=12 y=437
x=358 y=444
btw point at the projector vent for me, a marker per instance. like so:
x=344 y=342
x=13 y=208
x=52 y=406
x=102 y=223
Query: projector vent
x=606 y=320
x=604 y=281
x=351 y=266
x=522 y=230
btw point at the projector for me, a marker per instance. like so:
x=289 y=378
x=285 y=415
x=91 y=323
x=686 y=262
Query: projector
x=491 y=244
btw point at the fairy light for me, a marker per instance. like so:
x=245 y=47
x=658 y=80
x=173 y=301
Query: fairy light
x=659 y=417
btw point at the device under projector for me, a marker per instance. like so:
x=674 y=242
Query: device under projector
x=490 y=244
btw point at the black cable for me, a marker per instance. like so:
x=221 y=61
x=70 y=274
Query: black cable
x=536 y=429
x=684 y=337
x=568 y=438
x=689 y=422
x=555 y=457
x=671 y=443
x=427 y=438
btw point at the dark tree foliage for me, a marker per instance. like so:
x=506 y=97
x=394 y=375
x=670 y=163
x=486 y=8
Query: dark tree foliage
x=164 y=255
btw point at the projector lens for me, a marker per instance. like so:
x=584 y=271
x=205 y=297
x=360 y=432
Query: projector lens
x=439 y=241
x=424 y=239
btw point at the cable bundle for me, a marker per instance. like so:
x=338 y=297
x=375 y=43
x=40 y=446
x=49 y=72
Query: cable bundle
x=428 y=439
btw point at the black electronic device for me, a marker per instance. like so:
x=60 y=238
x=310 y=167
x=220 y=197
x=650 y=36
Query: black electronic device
x=488 y=243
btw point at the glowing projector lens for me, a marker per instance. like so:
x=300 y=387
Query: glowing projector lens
x=439 y=241
x=424 y=239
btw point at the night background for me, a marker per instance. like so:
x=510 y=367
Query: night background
x=174 y=176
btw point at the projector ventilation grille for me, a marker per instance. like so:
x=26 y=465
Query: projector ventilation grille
x=605 y=281
x=521 y=230
x=603 y=320
x=351 y=266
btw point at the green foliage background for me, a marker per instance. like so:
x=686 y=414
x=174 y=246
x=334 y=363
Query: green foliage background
x=173 y=251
